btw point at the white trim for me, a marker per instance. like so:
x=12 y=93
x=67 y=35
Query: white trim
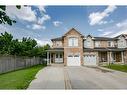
x=122 y=57
x=47 y=58
x=50 y=57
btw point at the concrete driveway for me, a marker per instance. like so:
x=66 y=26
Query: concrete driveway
x=60 y=77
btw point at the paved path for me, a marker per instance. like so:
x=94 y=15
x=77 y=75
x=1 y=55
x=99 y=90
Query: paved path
x=93 y=78
x=51 y=77
x=60 y=77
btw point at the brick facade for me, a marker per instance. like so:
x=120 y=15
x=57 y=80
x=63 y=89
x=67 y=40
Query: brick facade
x=102 y=51
x=74 y=50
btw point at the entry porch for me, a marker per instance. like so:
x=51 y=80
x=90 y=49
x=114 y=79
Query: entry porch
x=55 y=55
x=111 y=57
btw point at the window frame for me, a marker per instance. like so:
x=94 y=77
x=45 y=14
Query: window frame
x=73 y=41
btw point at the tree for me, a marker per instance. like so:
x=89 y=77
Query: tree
x=25 y=47
x=5 y=42
x=40 y=51
x=4 y=18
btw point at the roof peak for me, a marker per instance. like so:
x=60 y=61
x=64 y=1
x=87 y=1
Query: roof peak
x=74 y=30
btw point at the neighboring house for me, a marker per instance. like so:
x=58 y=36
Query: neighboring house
x=75 y=49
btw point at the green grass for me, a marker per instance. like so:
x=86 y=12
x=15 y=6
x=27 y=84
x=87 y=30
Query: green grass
x=19 y=79
x=118 y=67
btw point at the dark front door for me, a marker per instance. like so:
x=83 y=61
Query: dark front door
x=117 y=56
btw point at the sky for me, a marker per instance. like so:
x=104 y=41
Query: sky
x=43 y=23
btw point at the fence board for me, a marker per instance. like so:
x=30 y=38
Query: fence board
x=10 y=63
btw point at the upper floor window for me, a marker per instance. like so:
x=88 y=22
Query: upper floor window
x=87 y=44
x=57 y=44
x=97 y=44
x=109 y=44
x=73 y=41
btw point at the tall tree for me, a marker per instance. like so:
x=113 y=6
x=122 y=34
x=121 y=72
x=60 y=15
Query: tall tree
x=4 y=18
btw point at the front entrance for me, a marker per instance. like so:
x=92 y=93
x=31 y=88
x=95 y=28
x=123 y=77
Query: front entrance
x=103 y=57
x=73 y=60
x=117 y=57
x=58 y=57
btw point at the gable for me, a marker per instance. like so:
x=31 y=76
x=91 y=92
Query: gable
x=73 y=32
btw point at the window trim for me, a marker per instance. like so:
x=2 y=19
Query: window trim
x=73 y=42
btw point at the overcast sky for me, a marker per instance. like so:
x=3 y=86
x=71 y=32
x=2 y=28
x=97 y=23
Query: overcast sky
x=45 y=22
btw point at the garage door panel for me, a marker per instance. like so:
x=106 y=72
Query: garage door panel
x=89 y=60
x=73 y=60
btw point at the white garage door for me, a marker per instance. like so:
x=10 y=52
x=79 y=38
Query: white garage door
x=73 y=60
x=89 y=60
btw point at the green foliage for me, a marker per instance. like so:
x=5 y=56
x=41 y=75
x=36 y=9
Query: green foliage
x=25 y=47
x=118 y=67
x=4 y=18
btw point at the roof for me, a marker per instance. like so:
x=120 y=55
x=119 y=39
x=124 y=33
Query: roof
x=94 y=38
x=60 y=38
x=104 y=49
x=124 y=35
x=104 y=38
x=57 y=39
x=56 y=49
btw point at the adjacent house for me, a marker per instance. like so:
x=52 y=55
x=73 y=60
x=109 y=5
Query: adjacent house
x=75 y=49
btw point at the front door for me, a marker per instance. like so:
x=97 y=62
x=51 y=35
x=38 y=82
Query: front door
x=117 y=56
x=59 y=58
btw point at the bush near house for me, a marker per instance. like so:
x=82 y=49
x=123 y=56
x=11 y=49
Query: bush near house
x=118 y=67
x=19 y=79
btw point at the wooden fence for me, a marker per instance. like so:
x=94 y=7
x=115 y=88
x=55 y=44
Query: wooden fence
x=11 y=63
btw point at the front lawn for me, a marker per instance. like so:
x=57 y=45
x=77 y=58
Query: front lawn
x=19 y=79
x=118 y=67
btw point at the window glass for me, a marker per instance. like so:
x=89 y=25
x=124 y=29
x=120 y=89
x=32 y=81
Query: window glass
x=73 y=41
x=60 y=55
x=70 y=56
x=109 y=44
x=56 y=55
x=97 y=44
x=76 y=56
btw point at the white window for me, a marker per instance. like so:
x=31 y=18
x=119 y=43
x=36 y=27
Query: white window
x=88 y=44
x=97 y=44
x=110 y=44
x=58 y=43
x=73 y=41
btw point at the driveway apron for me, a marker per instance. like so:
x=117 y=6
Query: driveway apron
x=60 y=77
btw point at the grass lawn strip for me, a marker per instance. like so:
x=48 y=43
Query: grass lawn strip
x=118 y=67
x=19 y=79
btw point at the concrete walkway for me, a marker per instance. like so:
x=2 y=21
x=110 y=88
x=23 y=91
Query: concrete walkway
x=96 y=78
x=60 y=77
x=51 y=77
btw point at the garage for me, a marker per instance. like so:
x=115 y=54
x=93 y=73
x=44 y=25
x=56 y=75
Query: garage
x=89 y=59
x=73 y=60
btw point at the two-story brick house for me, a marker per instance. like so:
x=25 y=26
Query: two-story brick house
x=75 y=49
